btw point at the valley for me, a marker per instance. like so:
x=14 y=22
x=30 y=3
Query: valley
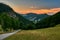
x=29 y=26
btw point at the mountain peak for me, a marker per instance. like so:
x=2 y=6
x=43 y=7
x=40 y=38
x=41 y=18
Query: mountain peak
x=5 y=8
x=57 y=13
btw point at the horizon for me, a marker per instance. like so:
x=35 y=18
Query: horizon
x=33 y=6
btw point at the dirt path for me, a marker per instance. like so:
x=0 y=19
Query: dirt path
x=3 y=36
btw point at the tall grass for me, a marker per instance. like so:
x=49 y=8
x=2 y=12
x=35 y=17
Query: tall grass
x=39 y=34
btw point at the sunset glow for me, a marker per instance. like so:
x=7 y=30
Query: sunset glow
x=41 y=11
x=34 y=6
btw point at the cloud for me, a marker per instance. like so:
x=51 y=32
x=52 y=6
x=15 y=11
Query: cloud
x=40 y=11
x=34 y=8
x=43 y=11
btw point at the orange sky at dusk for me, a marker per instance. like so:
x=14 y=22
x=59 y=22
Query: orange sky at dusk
x=34 y=6
x=40 y=11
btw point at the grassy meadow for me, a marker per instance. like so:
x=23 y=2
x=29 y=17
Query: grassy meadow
x=52 y=33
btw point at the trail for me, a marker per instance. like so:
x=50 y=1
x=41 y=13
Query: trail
x=3 y=36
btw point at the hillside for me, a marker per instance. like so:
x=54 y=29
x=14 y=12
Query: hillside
x=35 y=17
x=5 y=8
x=9 y=19
x=49 y=21
x=12 y=13
x=52 y=33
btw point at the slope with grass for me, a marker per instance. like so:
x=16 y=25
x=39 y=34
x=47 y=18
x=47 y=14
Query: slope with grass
x=50 y=21
x=52 y=33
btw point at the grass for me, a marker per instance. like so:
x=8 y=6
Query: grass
x=52 y=33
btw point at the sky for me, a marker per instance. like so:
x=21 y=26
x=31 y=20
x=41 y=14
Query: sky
x=34 y=6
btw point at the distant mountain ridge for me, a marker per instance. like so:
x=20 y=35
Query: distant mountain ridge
x=35 y=17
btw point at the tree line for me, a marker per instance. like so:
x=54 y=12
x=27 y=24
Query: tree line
x=8 y=23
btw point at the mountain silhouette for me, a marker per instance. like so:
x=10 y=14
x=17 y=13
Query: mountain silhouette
x=49 y=21
x=35 y=17
x=5 y=8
